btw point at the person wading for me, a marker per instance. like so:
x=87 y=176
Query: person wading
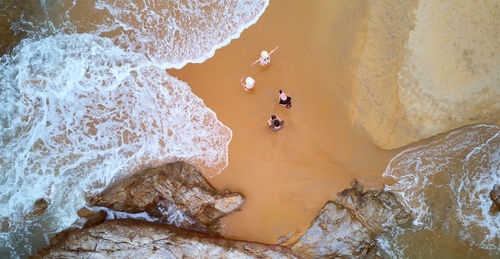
x=285 y=100
x=275 y=123
x=265 y=57
x=249 y=83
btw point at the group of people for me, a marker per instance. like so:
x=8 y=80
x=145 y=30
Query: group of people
x=275 y=123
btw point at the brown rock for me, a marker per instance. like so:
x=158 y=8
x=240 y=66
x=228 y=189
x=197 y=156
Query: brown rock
x=60 y=237
x=377 y=209
x=169 y=188
x=136 y=239
x=38 y=208
x=282 y=240
x=5 y=224
x=346 y=227
x=495 y=197
x=84 y=213
x=229 y=203
x=95 y=218
x=320 y=242
x=350 y=225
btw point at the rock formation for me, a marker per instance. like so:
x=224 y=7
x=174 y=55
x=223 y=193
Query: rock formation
x=349 y=225
x=95 y=218
x=38 y=208
x=168 y=189
x=427 y=67
x=495 y=197
x=127 y=238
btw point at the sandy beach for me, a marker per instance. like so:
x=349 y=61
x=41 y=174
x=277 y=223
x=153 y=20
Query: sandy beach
x=288 y=176
x=398 y=95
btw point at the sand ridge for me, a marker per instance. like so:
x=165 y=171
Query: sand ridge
x=427 y=67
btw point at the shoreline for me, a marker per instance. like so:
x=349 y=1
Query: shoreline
x=140 y=202
x=288 y=176
x=350 y=225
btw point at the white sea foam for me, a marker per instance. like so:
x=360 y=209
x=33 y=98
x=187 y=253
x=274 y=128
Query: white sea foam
x=414 y=168
x=170 y=214
x=169 y=33
x=391 y=245
x=481 y=171
x=111 y=214
x=174 y=33
x=78 y=110
x=446 y=185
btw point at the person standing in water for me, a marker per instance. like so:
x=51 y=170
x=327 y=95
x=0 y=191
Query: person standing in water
x=265 y=58
x=275 y=123
x=249 y=83
x=285 y=100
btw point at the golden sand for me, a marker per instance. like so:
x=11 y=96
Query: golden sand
x=288 y=176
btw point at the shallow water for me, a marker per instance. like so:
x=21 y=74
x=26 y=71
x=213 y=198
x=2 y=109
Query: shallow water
x=83 y=103
x=446 y=184
x=288 y=176
x=87 y=97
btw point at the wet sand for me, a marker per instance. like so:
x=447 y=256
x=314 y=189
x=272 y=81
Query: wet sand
x=288 y=176
x=427 y=67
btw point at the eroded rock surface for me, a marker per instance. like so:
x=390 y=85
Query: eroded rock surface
x=349 y=225
x=95 y=218
x=495 y=197
x=168 y=189
x=380 y=210
x=128 y=238
x=39 y=207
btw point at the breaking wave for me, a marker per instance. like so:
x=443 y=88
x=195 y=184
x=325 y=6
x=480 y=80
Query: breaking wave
x=84 y=101
x=169 y=33
x=81 y=110
x=446 y=185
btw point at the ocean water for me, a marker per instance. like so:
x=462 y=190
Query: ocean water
x=86 y=98
x=446 y=185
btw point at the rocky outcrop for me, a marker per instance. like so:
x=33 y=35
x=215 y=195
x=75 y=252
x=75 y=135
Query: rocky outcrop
x=349 y=225
x=169 y=189
x=95 y=218
x=427 y=67
x=84 y=213
x=379 y=210
x=495 y=197
x=39 y=207
x=128 y=238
